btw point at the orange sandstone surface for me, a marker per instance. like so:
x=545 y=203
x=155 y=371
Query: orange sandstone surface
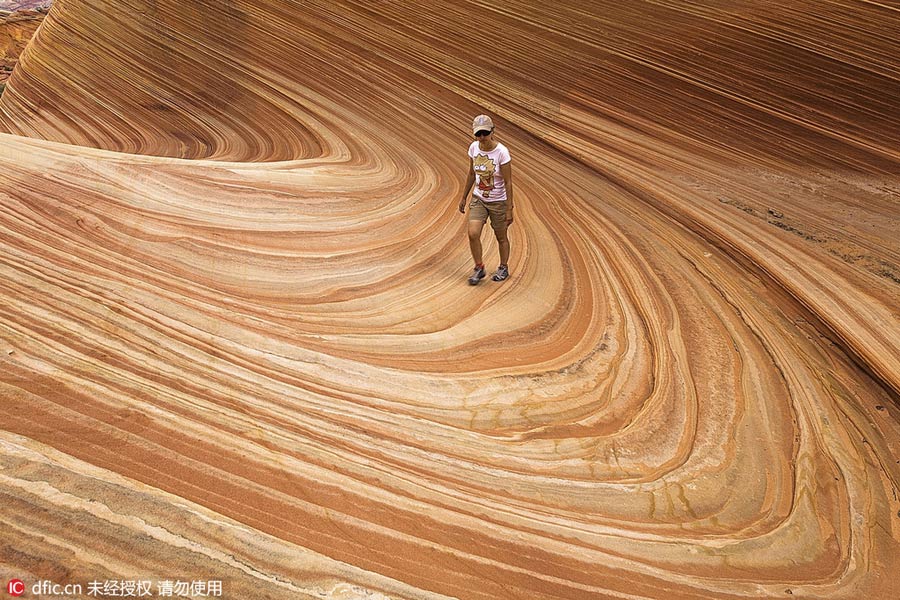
x=236 y=341
x=16 y=30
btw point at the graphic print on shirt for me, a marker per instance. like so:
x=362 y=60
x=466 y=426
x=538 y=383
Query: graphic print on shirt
x=484 y=168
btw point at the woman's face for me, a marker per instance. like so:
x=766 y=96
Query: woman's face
x=484 y=135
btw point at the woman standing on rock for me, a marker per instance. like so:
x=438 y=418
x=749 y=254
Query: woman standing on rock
x=490 y=172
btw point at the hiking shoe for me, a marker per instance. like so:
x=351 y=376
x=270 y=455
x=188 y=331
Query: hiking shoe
x=501 y=274
x=477 y=276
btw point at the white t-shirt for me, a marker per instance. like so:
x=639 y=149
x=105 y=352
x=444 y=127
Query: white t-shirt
x=489 y=184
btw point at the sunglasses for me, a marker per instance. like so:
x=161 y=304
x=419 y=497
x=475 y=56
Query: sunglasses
x=482 y=133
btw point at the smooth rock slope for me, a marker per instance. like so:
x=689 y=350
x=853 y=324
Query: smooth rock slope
x=236 y=341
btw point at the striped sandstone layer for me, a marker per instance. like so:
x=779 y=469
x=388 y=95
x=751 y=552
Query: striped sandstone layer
x=16 y=30
x=237 y=343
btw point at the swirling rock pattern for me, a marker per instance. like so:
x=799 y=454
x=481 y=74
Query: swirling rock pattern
x=237 y=340
x=16 y=30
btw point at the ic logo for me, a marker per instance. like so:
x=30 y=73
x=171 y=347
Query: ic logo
x=15 y=587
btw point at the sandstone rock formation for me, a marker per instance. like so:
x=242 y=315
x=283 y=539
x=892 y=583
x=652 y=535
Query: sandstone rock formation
x=16 y=30
x=11 y=6
x=237 y=342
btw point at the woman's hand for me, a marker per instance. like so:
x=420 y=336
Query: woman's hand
x=462 y=205
x=509 y=217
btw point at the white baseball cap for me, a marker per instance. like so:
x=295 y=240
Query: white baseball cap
x=482 y=122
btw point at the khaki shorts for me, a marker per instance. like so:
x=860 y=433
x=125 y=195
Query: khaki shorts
x=479 y=210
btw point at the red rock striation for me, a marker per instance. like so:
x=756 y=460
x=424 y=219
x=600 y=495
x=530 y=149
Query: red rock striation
x=16 y=30
x=236 y=341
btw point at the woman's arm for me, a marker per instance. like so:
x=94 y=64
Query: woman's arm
x=470 y=181
x=506 y=171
